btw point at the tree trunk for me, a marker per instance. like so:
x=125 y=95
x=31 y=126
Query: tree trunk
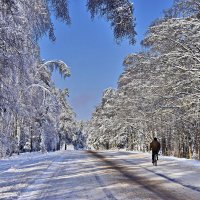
x=31 y=139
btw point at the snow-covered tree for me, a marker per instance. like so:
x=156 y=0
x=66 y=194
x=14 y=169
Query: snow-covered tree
x=158 y=92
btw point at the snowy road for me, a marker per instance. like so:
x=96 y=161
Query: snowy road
x=81 y=175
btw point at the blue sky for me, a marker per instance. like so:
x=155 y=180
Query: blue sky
x=89 y=49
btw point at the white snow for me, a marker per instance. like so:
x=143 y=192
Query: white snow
x=101 y=175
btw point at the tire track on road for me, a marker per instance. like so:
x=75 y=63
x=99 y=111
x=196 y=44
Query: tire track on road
x=107 y=192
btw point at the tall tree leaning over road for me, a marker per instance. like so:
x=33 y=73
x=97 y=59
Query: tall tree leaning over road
x=158 y=93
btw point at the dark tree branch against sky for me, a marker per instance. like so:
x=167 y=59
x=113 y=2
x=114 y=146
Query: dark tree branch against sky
x=120 y=15
x=118 y=12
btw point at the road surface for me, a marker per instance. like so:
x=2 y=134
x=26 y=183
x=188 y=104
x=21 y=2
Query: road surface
x=89 y=175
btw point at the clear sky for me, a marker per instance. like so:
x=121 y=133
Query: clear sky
x=89 y=49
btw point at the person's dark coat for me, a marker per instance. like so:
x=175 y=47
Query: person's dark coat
x=155 y=146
